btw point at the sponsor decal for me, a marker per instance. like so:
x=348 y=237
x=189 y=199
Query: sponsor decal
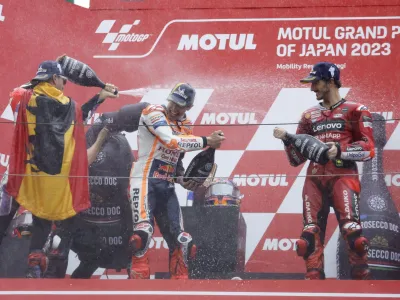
x=355 y=155
x=181 y=92
x=308 y=209
x=187 y=145
x=154 y=119
x=333 y=136
x=135 y=200
x=166 y=168
x=367 y=121
x=316 y=114
x=362 y=108
x=159 y=123
x=354 y=148
x=328 y=126
x=346 y=202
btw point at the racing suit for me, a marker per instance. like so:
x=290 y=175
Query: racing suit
x=152 y=190
x=335 y=184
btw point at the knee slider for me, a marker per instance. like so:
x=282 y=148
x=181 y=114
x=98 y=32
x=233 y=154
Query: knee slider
x=141 y=238
x=351 y=232
x=305 y=246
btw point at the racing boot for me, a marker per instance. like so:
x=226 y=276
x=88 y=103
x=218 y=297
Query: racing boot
x=140 y=268
x=179 y=258
x=310 y=247
x=357 y=249
x=37 y=264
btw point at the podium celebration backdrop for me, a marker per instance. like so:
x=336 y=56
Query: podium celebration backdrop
x=246 y=65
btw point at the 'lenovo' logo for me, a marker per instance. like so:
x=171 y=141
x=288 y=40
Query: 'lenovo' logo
x=333 y=126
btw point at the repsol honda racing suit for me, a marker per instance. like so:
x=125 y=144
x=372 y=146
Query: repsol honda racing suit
x=161 y=144
x=335 y=184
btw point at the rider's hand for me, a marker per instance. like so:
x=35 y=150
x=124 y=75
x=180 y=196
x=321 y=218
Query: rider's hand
x=215 y=139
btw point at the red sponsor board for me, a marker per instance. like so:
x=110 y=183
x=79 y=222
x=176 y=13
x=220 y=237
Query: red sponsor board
x=246 y=65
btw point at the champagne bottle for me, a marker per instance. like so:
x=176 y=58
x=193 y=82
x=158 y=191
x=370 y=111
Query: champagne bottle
x=201 y=166
x=379 y=217
x=309 y=146
x=80 y=73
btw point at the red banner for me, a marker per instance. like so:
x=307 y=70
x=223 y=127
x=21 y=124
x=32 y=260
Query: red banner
x=193 y=4
x=245 y=65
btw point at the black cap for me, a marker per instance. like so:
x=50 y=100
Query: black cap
x=182 y=94
x=322 y=71
x=47 y=69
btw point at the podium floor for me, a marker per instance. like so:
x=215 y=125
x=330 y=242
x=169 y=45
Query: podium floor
x=69 y=289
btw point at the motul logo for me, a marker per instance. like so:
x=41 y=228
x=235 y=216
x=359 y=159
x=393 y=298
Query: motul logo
x=280 y=244
x=329 y=127
x=260 y=180
x=229 y=118
x=208 y=42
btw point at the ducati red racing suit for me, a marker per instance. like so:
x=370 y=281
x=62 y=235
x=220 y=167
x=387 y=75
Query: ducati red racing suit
x=161 y=143
x=335 y=184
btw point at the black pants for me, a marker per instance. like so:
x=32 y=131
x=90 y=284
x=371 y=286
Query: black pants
x=97 y=246
x=6 y=220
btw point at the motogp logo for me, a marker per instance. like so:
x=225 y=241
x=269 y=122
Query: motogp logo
x=124 y=35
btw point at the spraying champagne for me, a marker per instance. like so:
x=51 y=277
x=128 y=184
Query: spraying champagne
x=201 y=166
x=310 y=147
x=80 y=73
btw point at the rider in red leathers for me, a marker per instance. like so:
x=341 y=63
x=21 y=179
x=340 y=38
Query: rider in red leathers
x=347 y=128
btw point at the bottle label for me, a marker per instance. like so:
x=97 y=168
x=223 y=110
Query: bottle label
x=383 y=257
x=377 y=203
x=377 y=224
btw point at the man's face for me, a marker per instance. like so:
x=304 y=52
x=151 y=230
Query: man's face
x=176 y=112
x=59 y=82
x=320 y=88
